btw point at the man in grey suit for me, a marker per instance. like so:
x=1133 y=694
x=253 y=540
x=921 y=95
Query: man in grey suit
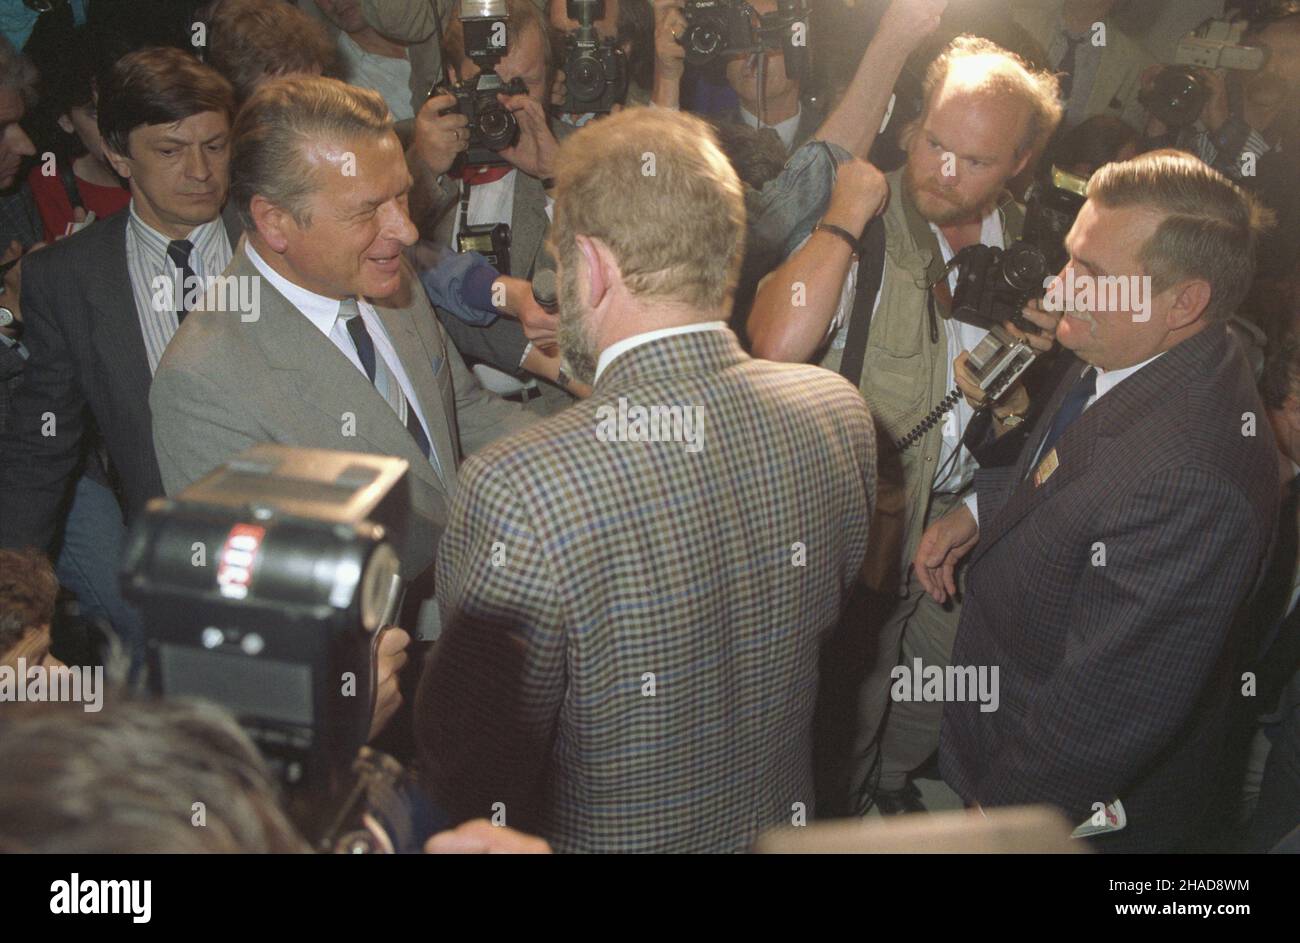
x=318 y=334
x=635 y=590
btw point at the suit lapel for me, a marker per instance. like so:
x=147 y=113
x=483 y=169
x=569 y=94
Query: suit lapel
x=422 y=367
x=114 y=320
x=326 y=381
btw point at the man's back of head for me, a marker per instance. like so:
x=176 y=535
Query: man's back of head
x=649 y=228
x=135 y=777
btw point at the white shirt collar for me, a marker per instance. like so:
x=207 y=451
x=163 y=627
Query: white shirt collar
x=1107 y=380
x=318 y=309
x=785 y=130
x=608 y=355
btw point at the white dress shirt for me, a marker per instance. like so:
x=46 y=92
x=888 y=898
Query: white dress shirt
x=785 y=130
x=612 y=352
x=147 y=261
x=323 y=312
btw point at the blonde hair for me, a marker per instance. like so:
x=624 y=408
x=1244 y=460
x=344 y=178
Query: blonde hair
x=267 y=153
x=653 y=186
x=978 y=66
x=1210 y=226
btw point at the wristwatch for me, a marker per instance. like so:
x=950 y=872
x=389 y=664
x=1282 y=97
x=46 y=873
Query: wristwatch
x=1011 y=420
x=7 y=318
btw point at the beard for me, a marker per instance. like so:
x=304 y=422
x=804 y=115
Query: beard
x=943 y=207
x=574 y=337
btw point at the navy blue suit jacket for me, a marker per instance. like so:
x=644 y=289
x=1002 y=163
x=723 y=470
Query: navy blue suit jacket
x=1107 y=594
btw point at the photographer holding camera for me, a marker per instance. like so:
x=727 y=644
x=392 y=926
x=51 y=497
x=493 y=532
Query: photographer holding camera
x=986 y=115
x=769 y=90
x=608 y=56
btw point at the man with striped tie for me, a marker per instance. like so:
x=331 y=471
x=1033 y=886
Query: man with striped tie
x=336 y=350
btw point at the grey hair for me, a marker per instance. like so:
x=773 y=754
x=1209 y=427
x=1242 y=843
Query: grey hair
x=267 y=141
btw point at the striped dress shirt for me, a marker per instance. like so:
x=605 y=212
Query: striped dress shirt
x=146 y=260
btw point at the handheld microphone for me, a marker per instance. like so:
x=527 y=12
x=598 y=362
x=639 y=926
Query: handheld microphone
x=544 y=291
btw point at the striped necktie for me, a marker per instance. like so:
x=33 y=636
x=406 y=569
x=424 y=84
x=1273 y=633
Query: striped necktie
x=381 y=376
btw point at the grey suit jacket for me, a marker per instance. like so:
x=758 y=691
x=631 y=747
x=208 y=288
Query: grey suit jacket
x=1119 y=77
x=225 y=383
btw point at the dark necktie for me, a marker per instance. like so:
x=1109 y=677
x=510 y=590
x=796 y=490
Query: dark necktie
x=365 y=346
x=178 y=250
x=1067 y=66
x=1070 y=409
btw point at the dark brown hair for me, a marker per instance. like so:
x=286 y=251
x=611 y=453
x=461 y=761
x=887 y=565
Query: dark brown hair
x=250 y=39
x=158 y=85
x=28 y=589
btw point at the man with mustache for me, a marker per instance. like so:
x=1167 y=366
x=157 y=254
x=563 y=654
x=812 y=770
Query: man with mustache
x=634 y=609
x=1108 y=562
x=986 y=115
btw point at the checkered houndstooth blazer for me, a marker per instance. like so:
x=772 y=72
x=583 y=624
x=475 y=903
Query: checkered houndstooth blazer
x=631 y=629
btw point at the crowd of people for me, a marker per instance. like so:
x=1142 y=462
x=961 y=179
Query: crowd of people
x=718 y=522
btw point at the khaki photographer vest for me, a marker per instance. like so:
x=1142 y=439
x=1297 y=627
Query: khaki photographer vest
x=904 y=376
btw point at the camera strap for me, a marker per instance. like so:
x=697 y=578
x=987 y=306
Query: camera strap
x=871 y=269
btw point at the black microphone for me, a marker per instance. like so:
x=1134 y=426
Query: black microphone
x=544 y=290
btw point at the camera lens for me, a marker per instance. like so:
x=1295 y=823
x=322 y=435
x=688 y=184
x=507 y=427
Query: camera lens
x=588 y=79
x=704 y=38
x=496 y=126
x=1023 y=267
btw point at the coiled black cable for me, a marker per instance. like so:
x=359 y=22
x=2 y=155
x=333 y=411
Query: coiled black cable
x=924 y=426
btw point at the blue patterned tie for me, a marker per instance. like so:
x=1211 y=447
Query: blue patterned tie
x=1071 y=408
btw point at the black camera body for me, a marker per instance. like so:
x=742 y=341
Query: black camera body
x=993 y=284
x=595 y=69
x=264 y=588
x=716 y=29
x=492 y=128
x=719 y=29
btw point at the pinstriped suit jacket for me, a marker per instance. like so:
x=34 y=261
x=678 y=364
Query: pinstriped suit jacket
x=629 y=658
x=1114 y=678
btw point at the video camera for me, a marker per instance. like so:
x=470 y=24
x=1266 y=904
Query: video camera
x=719 y=29
x=1179 y=93
x=492 y=128
x=265 y=587
x=595 y=69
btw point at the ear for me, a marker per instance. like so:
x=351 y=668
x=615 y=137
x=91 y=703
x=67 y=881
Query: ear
x=1018 y=167
x=597 y=279
x=273 y=224
x=65 y=124
x=121 y=165
x=1189 y=301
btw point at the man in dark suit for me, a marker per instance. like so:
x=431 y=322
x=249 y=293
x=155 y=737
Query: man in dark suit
x=95 y=325
x=634 y=615
x=318 y=334
x=1109 y=561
